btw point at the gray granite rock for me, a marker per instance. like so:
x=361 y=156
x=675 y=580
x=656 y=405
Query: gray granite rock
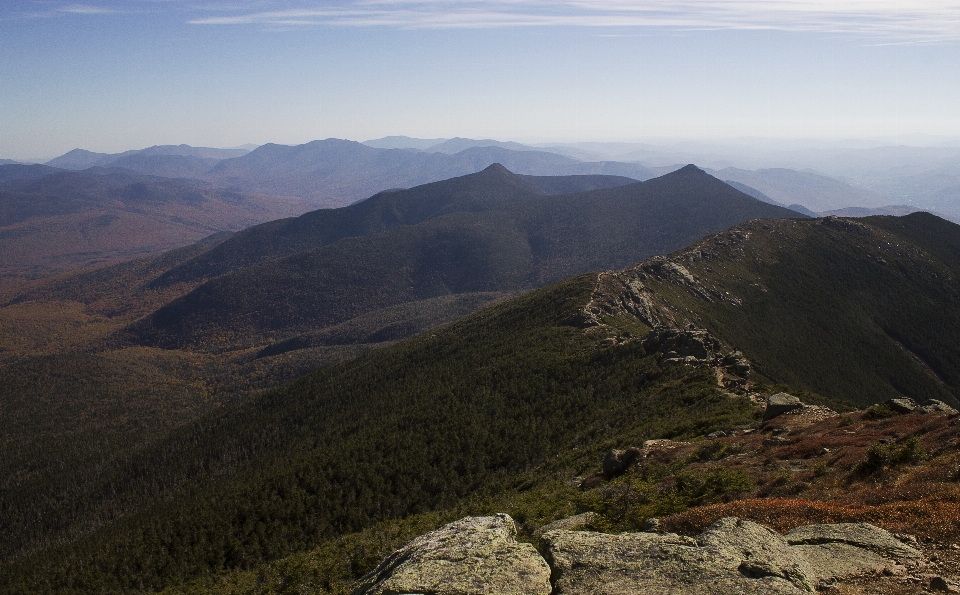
x=902 y=405
x=762 y=551
x=861 y=535
x=937 y=406
x=472 y=556
x=573 y=523
x=779 y=404
x=480 y=555
x=838 y=561
x=732 y=556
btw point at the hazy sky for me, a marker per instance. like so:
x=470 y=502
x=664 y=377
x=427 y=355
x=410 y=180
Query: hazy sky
x=111 y=75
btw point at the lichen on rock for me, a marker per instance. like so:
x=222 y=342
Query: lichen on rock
x=472 y=556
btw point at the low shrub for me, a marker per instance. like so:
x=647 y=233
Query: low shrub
x=882 y=456
x=819 y=468
x=879 y=411
x=935 y=520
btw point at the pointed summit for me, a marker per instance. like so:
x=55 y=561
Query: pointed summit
x=690 y=169
x=497 y=168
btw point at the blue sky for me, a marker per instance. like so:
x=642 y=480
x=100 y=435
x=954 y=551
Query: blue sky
x=109 y=76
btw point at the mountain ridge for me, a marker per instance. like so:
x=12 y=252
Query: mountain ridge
x=421 y=245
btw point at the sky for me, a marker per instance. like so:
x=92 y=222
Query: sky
x=112 y=75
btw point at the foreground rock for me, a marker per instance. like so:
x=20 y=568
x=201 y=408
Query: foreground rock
x=732 y=556
x=861 y=535
x=472 y=556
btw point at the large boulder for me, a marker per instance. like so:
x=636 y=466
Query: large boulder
x=837 y=561
x=480 y=555
x=732 y=556
x=618 y=461
x=905 y=405
x=737 y=364
x=779 y=404
x=472 y=556
x=761 y=551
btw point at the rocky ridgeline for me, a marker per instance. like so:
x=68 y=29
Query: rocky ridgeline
x=481 y=555
x=623 y=293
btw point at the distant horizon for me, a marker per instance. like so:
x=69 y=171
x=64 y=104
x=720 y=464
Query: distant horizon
x=109 y=75
x=907 y=140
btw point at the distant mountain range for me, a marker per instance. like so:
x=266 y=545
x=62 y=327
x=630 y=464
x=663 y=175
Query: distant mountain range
x=892 y=210
x=334 y=172
x=921 y=177
x=81 y=159
x=331 y=173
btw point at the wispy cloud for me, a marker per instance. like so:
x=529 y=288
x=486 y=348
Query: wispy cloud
x=85 y=9
x=915 y=19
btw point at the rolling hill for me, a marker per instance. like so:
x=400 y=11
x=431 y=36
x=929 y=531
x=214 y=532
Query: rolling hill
x=54 y=221
x=510 y=407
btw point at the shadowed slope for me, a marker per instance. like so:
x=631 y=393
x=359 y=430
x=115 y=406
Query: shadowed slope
x=852 y=310
x=517 y=241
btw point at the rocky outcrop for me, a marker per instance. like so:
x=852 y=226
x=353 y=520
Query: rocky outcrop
x=737 y=363
x=937 y=406
x=481 y=555
x=691 y=346
x=472 y=556
x=904 y=405
x=779 y=404
x=619 y=293
x=623 y=293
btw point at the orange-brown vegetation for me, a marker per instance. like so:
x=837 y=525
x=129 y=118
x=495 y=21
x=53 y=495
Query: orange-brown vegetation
x=810 y=473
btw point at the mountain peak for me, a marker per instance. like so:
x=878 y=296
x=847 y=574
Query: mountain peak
x=690 y=169
x=497 y=168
